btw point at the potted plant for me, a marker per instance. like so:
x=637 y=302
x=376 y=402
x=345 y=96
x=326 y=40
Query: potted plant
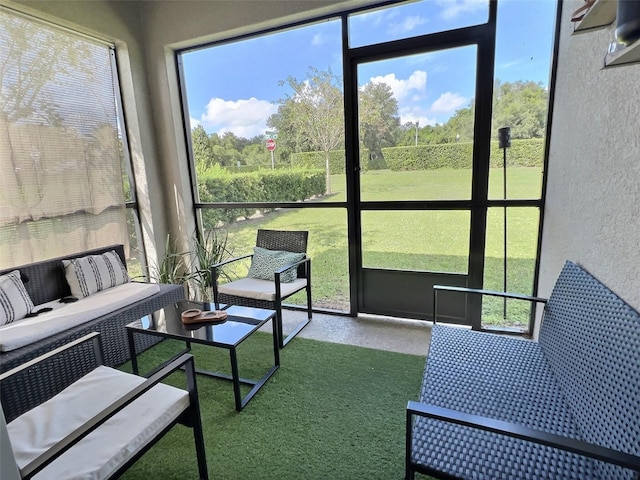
x=209 y=249
x=172 y=267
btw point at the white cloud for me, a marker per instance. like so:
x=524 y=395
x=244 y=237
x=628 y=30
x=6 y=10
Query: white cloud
x=245 y=118
x=454 y=8
x=413 y=115
x=413 y=86
x=407 y=25
x=509 y=64
x=448 y=103
x=318 y=39
x=376 y=18
x=411 y=94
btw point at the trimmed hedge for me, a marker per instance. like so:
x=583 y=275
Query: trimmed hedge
x=255 y=168
x=523 y=153
x=263 y=186
x=316 y=160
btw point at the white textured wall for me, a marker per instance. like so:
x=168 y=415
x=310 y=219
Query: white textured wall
x=592 y=213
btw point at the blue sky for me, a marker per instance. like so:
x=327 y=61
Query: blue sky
x=234 y=87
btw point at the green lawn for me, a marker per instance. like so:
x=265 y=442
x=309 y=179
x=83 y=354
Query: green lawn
x=433 y=240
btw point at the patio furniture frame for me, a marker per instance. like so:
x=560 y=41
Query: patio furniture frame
x=566 y=406
x=136 y=328
x=283 y=240
x=190 y=417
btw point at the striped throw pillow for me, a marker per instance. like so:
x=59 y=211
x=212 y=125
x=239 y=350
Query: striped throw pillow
x=15 y=303
x=93 y=273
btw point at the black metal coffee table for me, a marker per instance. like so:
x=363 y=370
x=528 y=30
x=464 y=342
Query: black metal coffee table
x=241 y=323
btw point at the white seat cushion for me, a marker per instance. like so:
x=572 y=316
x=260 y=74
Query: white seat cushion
x=103 y=451
x=23 y=332
x=261 y=289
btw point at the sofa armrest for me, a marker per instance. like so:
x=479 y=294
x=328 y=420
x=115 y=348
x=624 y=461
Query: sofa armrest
x=97 y=352
x=522 y=432
x=477 y=291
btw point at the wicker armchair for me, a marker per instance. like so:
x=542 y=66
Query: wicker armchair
x=100 y=424
x=263 y=293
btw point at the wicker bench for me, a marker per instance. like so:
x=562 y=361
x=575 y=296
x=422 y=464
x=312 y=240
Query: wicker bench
x=567 y=406
x=46 y=283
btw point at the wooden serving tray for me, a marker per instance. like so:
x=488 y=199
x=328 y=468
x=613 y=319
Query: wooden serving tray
x=194 y=315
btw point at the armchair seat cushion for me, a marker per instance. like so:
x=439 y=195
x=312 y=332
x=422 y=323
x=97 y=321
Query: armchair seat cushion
x=260 y=289
x=106 y=449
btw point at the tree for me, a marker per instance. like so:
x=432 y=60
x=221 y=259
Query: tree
x=379 y=121
x=459 y=128
x=290 y=137
x=314 y=113
x=256 y=154
x=226 y=149
x=202 y=152
x=521 y=106
x=46 y=59
x=226 y=157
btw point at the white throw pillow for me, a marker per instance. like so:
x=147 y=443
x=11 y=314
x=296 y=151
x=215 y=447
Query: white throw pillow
x=15 y=303
x=93 y=273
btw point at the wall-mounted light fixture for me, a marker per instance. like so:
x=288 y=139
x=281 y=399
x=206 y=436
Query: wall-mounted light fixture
x=628 y=21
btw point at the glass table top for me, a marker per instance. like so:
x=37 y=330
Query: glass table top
x=239 y=324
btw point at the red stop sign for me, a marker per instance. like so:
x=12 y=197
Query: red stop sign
x=271 y=144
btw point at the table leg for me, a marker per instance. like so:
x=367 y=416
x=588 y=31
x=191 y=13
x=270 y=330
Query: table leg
x=235 y=376
x=132 y=351
x=276 y=345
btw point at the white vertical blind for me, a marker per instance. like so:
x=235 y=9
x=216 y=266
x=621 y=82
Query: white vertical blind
x=61 y=178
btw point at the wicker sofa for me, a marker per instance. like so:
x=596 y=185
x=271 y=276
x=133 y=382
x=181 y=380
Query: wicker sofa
x=567 y=406
x=46 y=282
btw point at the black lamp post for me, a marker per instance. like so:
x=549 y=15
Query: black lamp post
x=504 y=142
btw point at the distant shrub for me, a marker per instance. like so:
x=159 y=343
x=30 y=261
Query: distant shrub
x=291 y=185
x=523 y=153
x=337 y=160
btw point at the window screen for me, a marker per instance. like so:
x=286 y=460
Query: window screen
x=61 y=182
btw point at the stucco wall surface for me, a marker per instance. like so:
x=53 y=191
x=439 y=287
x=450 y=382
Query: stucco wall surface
x=592 y=213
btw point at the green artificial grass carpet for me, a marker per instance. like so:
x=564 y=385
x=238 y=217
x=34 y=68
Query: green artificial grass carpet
x=330 y=412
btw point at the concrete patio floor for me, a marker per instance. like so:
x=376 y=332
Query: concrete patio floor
x=383 y=333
